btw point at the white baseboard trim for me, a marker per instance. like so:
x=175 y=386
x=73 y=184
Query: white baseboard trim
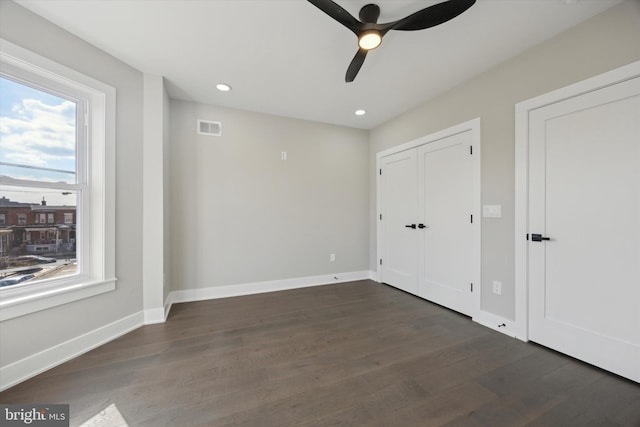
x=154 y=315
x=33 y=365
x=498 y=323
x=215 y=292
x=373 y=275
x=168 y=303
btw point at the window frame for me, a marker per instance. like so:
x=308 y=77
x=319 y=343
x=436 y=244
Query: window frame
x=95 y=212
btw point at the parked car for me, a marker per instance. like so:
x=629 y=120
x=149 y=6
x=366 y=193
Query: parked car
x=14 y=280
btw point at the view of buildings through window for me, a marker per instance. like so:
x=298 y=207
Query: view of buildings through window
x=38 y=174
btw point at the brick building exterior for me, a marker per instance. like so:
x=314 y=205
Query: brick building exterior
x=27 y=228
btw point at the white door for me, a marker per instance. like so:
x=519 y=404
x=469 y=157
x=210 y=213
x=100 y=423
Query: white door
x=399 y=210
x=584 y=196
x=445 y=197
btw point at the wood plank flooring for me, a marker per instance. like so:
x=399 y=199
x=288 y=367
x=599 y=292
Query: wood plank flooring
x=354 y=354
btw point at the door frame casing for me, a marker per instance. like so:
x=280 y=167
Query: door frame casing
x=522 y=112
x=472 y=126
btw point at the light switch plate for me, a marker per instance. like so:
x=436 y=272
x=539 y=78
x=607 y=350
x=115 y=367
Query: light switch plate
x=492 y=211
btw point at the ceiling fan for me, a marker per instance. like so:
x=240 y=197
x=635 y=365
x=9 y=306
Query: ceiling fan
x=370 y=33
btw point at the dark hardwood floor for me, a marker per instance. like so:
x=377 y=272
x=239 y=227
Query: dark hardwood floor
x=356 y=354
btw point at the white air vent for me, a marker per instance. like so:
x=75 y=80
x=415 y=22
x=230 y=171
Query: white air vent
x=209 y=128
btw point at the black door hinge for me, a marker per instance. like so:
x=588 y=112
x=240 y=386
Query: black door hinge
x=471 y=150
x=380 y=217
x=380 y=261
x=380 y=171
x=471 y=287
x=472 y=219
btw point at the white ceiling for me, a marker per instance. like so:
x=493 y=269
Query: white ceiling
x=286 y=57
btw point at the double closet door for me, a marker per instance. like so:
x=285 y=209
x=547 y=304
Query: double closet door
x=426 y=230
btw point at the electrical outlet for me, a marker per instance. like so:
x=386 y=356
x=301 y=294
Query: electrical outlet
x=283 y=155
x=497 y=287
x=332 y=257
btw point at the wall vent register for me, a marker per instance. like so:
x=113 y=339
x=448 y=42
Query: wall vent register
x=206 y=127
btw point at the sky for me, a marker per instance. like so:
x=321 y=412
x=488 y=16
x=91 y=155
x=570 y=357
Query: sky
x=37 y=131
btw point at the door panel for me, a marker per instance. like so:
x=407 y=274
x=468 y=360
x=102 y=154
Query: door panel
x=399 y=208
x=584 y=283
x=445 y=200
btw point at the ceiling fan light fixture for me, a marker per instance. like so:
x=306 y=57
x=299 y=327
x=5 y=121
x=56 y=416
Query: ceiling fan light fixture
x=370 y=32
x=360 y=112
x=369 y=40
x=223 y=87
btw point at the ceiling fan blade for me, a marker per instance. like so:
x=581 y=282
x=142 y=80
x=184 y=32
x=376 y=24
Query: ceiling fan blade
x=338 y=13
x=431 y=16
x=369 y=13
x=355 y=65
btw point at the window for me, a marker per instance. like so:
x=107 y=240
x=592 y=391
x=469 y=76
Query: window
x=3 y=219
x=49 y=116
x=42 y=133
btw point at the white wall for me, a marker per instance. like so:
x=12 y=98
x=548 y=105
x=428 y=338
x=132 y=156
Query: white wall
x=28 y=335
x=605 y=42
x=155 y=199
x=166 y=184
x=240 y=214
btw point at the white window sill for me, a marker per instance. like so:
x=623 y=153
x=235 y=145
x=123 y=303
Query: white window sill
x=20 y=301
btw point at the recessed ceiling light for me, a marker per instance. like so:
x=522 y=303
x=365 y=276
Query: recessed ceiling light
x=360 y=112
x=223 y=87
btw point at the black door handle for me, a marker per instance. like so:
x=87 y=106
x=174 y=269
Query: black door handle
x=421 y=226
x=411 y=226
x=538 y=238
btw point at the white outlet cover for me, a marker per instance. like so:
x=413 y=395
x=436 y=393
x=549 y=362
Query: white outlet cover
x=492 y=211
x=497 y=287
